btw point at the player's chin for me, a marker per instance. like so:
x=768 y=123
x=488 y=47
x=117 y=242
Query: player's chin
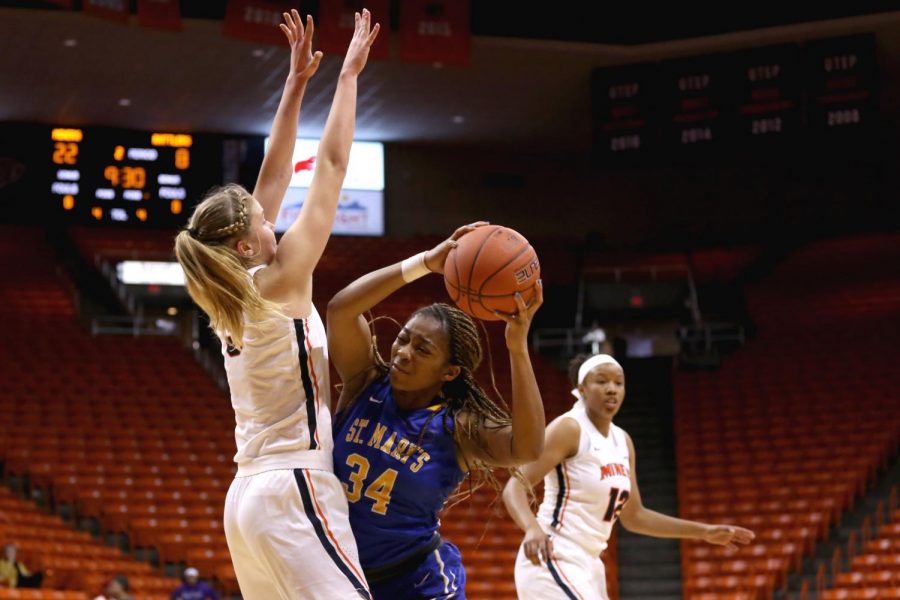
x=399 y=380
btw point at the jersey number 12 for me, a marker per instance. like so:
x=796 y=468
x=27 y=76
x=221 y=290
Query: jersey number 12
x=617 y=500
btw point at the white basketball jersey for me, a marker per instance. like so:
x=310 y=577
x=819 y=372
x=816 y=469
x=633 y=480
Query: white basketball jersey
x=280 y=394
x=584 y=494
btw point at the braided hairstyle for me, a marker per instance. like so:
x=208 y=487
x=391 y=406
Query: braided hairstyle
x=215 y=274
x=463 y=394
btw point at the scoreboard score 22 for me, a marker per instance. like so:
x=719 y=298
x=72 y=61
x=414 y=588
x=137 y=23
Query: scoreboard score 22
x=123 y=176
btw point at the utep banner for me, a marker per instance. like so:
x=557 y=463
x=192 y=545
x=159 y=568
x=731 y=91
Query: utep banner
x=160 y=14
x=335 y=26
x=361 y=207
x=365 y=169
x=359 y=212
x=435 y=31
x=256 y=21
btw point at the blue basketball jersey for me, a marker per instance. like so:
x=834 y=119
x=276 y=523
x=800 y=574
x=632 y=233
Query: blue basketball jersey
x=396 y=478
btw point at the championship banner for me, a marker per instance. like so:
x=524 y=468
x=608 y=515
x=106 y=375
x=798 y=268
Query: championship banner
x=335 y=25
x=160 y=14
x=256 y=21
x=435 y=31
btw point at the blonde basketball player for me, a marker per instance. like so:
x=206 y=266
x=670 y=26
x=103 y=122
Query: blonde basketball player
x=286 y=517
x=589 y=483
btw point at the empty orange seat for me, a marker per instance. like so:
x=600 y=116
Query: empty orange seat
x=227 y=580
x=723 y=596
x=41 y=594
x=851 y=594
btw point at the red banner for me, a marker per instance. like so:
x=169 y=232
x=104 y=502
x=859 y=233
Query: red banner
x=256 y=21
x=159 y=14
x=112 y=10
x=435 y=31
x=335 y=26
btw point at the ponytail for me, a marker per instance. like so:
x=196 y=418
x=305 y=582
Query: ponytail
x=215 y=275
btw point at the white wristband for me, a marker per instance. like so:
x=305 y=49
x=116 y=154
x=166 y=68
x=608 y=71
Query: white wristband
x=414 y=267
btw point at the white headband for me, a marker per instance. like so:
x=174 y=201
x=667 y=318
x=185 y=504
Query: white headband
x=588 y=366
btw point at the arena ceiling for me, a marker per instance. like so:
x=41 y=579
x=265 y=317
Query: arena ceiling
x=528 y=84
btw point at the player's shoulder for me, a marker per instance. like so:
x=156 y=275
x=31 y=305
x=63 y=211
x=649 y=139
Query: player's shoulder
x=570 y=422
x=566 y=423
x=564 y=436
x=621 y=434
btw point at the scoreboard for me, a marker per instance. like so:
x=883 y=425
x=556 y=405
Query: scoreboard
x=122 y=176
x=819 y=95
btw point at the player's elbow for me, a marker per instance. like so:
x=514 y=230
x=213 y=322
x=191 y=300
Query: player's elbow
x=513 y=493
x=508 y=491
x=336 y=304
x=333 y=163
x=527 y=452
x=631 y=519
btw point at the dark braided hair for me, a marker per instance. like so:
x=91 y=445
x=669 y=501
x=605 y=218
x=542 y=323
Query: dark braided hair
x=463 y=394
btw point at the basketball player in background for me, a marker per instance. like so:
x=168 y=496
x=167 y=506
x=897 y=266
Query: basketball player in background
x=286 y=516
x=589 y=483
x=408 y=431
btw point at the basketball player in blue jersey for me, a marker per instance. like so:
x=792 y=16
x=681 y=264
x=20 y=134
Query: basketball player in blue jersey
x=589 y=483
x=286 y=517
x=409 y=430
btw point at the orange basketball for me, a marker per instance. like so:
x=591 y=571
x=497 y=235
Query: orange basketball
x=487 y=268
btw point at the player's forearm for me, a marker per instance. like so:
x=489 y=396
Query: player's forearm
x=654 y=524
x=337 y=137
x=366 y=292
x=276 y=166
x=515 y=498
x=528 y=420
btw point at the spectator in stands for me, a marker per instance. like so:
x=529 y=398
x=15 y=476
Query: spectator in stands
x=285 y=517
x=588 y=468
x=14 y=574
x=193 y=589
x=118 y=588
x=409 y=430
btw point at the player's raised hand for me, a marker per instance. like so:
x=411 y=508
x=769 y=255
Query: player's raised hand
x=518 y=324
x=437 y=256
x=304 y=63
x=363 y=37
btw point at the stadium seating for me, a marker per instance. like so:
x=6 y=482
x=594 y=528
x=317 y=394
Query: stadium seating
x=71 y=560
x=132 y=433
x=797 y=424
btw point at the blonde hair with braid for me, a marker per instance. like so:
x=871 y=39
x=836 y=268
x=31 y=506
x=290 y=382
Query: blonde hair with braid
x=215 y=274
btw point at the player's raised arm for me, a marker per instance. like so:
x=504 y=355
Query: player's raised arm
x=275 y=173
x=302 y=245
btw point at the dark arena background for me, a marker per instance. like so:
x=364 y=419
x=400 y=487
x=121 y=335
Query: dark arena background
x=712 y=193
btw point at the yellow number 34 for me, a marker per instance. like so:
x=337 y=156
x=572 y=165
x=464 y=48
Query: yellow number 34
x=379 y=490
